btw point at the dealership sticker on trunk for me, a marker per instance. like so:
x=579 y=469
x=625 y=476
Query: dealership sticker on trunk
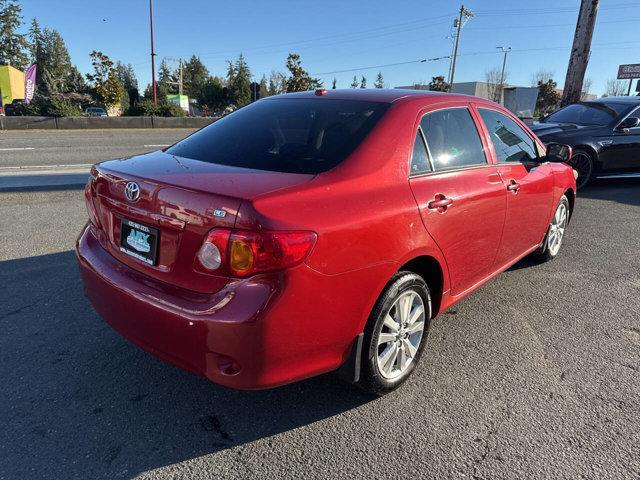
x=138 y=241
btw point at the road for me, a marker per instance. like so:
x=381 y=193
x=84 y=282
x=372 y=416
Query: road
x=28 y=148
x=536 y=375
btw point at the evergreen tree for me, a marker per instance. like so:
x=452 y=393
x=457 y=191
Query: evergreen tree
x=36 y=38
x=161 y=93
x=166 y=80
x=14 y=47
x=264 y=89
x=363 y=82
x=239 y=82
x=437 y=84
x=75 y=81
x=354 y=83
x=300 y=80
x=127 y=77
x=58 y=59
x=194 y=77
x=548 y=97
x=214 y=97
x=379 y=83
x=56 y=75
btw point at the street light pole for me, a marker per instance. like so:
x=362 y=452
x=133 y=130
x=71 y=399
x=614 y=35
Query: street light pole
x=153 y=54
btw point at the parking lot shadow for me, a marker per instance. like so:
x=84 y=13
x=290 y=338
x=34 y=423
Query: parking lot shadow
x=78 y=401
x=43 y=183
x=625 y=191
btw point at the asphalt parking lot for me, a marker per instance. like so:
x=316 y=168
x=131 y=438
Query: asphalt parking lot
x=536 y=375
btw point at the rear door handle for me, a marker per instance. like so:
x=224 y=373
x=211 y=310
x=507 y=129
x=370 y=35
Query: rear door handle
x=441 y=203
x=513 y=186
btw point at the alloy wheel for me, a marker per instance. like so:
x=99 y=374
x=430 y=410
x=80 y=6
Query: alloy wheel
x=583 y=164
x=557 y=228
x=400 y=335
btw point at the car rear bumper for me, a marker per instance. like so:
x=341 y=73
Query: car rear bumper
x=248 y=335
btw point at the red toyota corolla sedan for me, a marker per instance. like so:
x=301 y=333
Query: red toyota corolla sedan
x=319 y=231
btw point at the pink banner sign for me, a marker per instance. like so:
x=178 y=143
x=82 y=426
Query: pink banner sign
x=29 y=83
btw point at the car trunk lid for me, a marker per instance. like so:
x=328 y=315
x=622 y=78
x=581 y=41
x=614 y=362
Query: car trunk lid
x=181 y=200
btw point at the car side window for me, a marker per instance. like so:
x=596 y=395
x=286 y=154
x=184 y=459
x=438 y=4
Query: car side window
x=453 y=139
x=510 y=141
x=419 y=158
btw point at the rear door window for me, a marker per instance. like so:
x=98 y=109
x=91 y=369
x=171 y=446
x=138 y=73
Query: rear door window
x=419 y=157
x=453 y=139
x=295 y=135
x=510 y=142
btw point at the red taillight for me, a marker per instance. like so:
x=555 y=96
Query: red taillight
x=244 y=253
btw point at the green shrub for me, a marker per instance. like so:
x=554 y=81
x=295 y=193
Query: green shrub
x=62 y=108
x=146 y=108
x=52 y=107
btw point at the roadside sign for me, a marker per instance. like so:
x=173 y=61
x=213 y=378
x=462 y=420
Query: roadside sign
x=629 y=71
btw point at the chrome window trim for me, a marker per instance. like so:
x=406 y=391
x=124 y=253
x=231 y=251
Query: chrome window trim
x=456 y=169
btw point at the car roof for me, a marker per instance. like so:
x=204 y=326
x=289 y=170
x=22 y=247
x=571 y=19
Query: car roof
x=631 y=100
x=382 y=95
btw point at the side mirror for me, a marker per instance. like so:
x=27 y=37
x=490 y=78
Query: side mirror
x=627 y=123
x=557 y=152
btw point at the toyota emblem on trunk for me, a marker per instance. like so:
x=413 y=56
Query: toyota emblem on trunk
x=132 y=191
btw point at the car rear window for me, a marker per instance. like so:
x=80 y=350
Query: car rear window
x=293 y=135
x=589 y=113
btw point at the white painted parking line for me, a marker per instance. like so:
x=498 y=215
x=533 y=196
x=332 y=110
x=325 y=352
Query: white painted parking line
x=168 y=145
x=15 y=149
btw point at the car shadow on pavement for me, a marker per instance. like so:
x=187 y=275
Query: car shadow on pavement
x=43 y=183
x=625 y=191
x=80 y=401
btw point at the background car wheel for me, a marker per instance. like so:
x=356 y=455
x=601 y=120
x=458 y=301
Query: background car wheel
x=396 y=333
x=555 y=234
x=582 y=161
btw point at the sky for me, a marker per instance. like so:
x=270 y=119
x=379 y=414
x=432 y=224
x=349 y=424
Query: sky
x=335 y=37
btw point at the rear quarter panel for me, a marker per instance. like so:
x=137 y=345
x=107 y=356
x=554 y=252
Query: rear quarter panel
x=363 y=211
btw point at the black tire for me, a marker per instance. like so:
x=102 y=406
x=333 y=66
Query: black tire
x=582 y=161
x=371 y=378
x=545 y=253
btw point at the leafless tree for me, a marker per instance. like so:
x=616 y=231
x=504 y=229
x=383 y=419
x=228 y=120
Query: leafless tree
x=586 y=86
x=541 y=76
x=615 y=88
x=494 y=83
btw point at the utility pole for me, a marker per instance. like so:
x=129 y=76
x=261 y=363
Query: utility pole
x=180 y=74
x=453 y=45
x=504 y=50
x=458 y=23
x=153 y=54
x=580 y=52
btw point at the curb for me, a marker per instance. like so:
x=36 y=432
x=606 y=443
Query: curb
x=21 y=179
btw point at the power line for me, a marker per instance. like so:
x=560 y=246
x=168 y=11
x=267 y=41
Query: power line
x=544 y=11
x=524 y=27
x=482 y=52
x=423 y=60
x=343 y=37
